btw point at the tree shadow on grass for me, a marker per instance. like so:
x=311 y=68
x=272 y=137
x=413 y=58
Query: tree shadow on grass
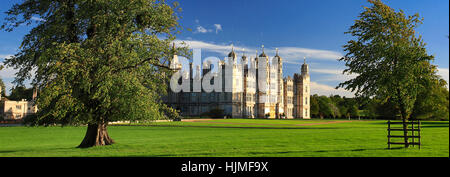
x=25 y=150
x=433 y=124
x=214 y=154
x=235 y=127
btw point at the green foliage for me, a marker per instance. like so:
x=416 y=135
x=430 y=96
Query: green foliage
x=433 y=103
x=314 y=106
x=97 y=61
x=324 y=107
x=390 y=60
x=334 y=106
x=2 y=87
x=20 y=92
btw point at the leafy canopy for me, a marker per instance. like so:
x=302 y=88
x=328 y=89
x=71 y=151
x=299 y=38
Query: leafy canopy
x=389 y=58
x=96 y=61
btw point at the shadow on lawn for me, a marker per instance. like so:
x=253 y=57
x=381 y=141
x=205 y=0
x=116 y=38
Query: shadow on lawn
x=214 y=154
x=24 y=150
x=425 y=124
x=206 y=126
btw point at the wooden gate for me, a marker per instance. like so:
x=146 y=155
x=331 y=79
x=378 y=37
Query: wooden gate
x=413 y=132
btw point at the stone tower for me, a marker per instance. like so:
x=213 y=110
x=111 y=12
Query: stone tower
x=263 y=88
x=279 y=107
x=302 y=93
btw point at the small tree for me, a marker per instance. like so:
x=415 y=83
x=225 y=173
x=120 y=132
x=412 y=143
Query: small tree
x=2 y=86
x=390 y=60
x=433 y=102
x=96 y=61
x=314 y=106
x=324 y=107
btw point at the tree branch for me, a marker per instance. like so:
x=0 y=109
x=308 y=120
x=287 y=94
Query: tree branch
x=143 y=62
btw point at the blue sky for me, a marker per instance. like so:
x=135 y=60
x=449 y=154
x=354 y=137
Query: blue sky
x=312 y=29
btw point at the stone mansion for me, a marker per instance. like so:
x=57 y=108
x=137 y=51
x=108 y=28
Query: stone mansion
x=266 y=95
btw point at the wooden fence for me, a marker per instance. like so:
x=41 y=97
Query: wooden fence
x=413 y=133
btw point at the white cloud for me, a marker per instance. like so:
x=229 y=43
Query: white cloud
x=37 y=19
x=292 y=55
x=321 y=89
x=218 y=28
x=201 y=29
x=7 y=72
x=221 y=49
x=333 y=74
x=444 y=72
x=5 y=56
x=296 y=52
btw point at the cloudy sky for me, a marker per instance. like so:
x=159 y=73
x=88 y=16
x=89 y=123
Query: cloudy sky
x=302 y=28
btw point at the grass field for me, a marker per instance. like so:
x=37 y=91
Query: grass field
x=228 y=137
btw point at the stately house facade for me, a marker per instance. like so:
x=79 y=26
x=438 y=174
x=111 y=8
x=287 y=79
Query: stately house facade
x=13 y=110
x=256 y=90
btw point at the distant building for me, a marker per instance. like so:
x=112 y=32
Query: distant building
x=13 y=110
x=287 y=97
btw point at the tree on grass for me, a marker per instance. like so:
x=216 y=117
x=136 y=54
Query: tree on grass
x=314 y=106
x=20 y=92
x=432 y=103
x=324 y=107
x=390 y=60
x=96 y=61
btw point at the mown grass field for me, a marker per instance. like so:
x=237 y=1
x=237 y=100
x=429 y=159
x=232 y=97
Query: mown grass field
x=228 y=137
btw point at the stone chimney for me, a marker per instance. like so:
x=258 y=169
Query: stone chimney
x=34 y=93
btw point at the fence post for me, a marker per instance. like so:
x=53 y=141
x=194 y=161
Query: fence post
x=389 y=134
x=420 y=137
x=412 y=127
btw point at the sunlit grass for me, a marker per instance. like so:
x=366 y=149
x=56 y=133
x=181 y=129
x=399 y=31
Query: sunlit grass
x=228 y=137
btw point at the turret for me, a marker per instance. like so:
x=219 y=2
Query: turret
x=174 y=63
x=305 y=68
x=232 y=56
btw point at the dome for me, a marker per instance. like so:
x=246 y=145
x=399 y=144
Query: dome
x=263 y=55
x=232 y=54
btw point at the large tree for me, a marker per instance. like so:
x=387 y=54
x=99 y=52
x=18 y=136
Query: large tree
x=96 y=61
x=389 y=57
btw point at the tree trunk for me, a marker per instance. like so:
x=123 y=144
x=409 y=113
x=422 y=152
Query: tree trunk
x=405 y=127
x=404 y=117
x=405 y=132
x=96 y=135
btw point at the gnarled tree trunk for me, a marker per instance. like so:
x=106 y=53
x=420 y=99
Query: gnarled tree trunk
x=96 y=135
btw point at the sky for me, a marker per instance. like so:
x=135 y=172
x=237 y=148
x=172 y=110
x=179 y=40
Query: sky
x=301 y=28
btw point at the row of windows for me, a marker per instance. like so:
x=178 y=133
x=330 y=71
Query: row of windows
x=289 y=88
x=226 y=96
x=289 y=100
x=289 y=112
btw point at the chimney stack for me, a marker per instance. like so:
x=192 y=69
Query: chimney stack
x=34 y=93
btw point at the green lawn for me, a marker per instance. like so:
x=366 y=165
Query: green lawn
x=229 y=137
